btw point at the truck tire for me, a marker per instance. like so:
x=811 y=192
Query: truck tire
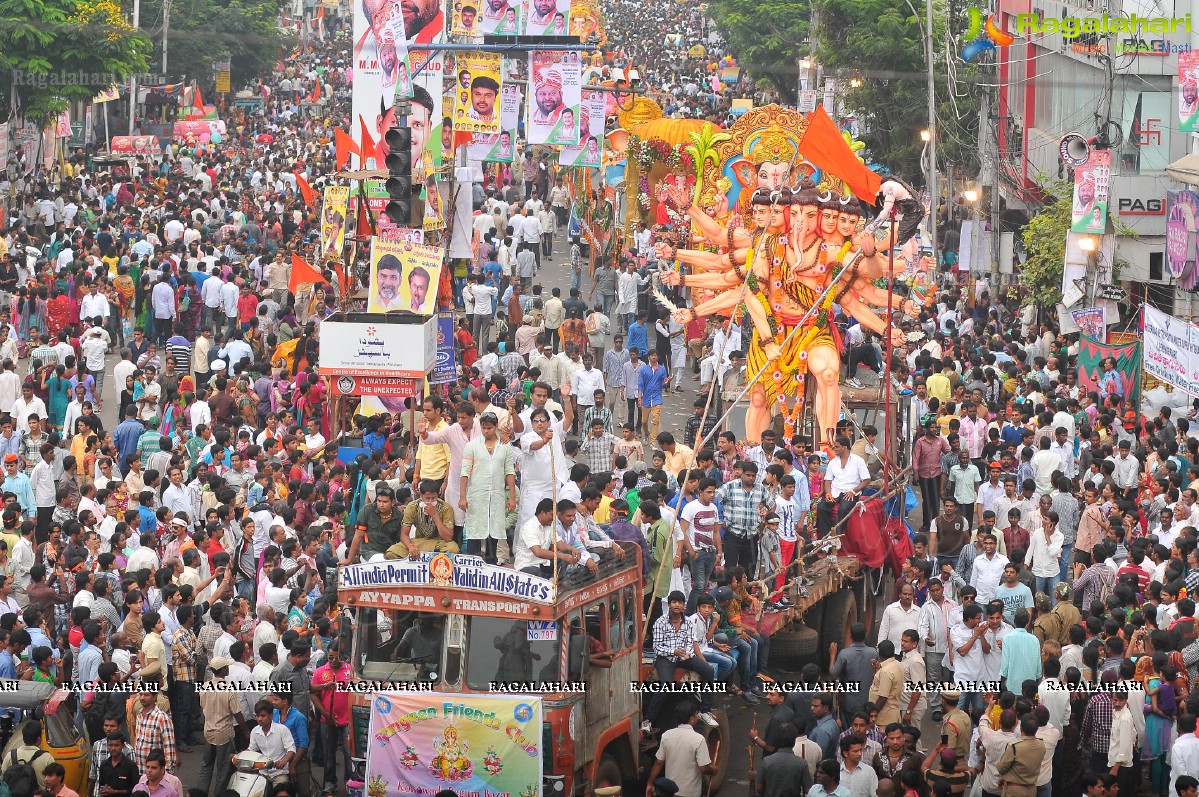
x=608 y=774
x=840 y=612
x=719 y=742
x=800 y=642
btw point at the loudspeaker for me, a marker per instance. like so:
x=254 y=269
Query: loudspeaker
x=1074 y=150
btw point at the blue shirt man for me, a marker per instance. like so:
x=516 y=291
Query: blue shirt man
x=639 y=335
x=294 y=722
x=651 y=380
x=126 y=435
x=19 y=485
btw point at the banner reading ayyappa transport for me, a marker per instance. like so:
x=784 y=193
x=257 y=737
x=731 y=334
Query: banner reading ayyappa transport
x=422 y=743
x=1171 y=350
x=334 y=212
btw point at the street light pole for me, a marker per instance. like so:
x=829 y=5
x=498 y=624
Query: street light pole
x=932 y=125
x=137 y=22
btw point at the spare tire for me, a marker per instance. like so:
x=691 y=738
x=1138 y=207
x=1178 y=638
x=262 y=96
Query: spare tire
x=840 y=612
x=798 y=642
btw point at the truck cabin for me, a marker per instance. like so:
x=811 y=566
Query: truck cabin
x=453 y=623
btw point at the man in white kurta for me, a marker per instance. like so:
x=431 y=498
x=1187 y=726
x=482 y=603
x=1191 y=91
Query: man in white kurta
x=488 y=491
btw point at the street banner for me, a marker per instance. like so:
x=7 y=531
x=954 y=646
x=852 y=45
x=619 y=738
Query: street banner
x=1091 y=322
x=334 y=212
x=430 y=143
x=446 y=369
x=1127 y=379
x=109 y=94
x=500 y=17
x=555 y=108
x=1188 y=91
x=1182 y=209
x=497 y=147
x=589 y=153
x=1171 y=350
x=1091 y=183
x=403 y=276
x=422 y=743
x=547 y=18
x=384 y=35
x=402 y=235
x=477 y=93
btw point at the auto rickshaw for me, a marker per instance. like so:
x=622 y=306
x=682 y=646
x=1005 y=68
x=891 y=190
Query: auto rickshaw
x=63 y=737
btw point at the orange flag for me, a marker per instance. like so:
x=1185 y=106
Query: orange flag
x=301 y=273
x=316 y=92
x=198 y=100
x=366 y=147
x=364 y=228
x=823 y=145
x=305 y=189
x=344 y=144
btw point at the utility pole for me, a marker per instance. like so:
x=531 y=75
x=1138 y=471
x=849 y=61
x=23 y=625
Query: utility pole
x=166 y=27
x=137 y=23
x=932 y=125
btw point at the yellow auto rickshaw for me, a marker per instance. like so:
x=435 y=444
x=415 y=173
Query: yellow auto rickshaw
x=63 y=737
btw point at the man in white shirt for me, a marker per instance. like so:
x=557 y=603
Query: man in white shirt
x=1184 y=753
x=900 y=616
x=846 y=476
x=987 y=571
x=271 y=739
x=586 y=381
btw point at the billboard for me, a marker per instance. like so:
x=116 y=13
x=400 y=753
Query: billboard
x=377 y=350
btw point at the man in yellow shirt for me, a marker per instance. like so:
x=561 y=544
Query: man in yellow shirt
x=432 y=459
x=938 y=385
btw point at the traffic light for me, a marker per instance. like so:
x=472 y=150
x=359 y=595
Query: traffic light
x=399 y=179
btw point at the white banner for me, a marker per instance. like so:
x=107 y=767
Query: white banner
x=1172 y=350
x=382 y=349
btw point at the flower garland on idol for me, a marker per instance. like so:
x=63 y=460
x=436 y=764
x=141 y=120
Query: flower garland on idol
x=647 y=153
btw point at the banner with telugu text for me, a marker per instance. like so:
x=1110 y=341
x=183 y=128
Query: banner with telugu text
x=1171 y=350
x=421 y=743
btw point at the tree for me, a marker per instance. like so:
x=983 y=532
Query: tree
x=1045 y=242
x=56 y=51
x=202 y=29
x=768 y=37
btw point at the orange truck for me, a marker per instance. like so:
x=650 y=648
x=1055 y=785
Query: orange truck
x=456 y=626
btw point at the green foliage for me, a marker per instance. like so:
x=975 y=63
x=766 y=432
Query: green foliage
x=200 y=30
x=56 y=51
x=1045 y=241
x=768 y=37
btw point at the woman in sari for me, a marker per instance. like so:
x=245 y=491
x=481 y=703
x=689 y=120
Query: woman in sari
x=58 y=394
x=189 y=307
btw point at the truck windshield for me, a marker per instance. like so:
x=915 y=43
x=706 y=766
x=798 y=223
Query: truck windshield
x=399 y=645
x=500 y=650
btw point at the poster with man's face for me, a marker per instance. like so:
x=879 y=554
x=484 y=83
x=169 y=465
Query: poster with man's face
x=548 y=18
x=403 y=276
x=500 y=147
x=500 y=17
x=477 y=93
x=555 y=102
x=588 y=155
x=385 y=32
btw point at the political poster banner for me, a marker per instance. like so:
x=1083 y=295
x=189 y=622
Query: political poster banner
x=1091 y=183
x=1182 y=239
x=499 y=147
x=500 y=17
x=403 y=276
x=1188 y=92
x=445 y=370
x=384 y=35
x=477 y=107
x=431 y=137
x=1123 y=380
x=1171 y=350
x=555 y=107
x=334 y=212
x=1091 y=322
x=548 y=18
x=422 y=743
x=589 y=155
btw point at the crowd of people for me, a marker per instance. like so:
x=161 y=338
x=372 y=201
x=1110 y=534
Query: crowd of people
x=1055 y=555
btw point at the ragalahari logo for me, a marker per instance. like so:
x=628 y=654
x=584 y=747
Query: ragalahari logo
x=984 y=37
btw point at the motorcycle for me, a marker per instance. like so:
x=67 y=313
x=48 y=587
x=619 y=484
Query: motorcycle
x=249 y=777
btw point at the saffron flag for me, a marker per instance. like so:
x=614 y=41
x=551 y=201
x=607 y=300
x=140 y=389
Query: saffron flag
x=316 y=91
x=364 y=228
x=345 y=146
x=305 y=189
x=366 y=147
x=198 y=100
x=302 y=273
x=823 y=145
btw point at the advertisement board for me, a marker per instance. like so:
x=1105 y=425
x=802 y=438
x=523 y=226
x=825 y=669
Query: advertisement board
x=366 y=349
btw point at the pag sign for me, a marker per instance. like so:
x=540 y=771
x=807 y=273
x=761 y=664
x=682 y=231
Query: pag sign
x=378 y=350
x=422 y=743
